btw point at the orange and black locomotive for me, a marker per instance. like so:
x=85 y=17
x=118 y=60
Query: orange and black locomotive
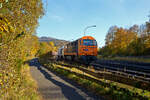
x=84 y=49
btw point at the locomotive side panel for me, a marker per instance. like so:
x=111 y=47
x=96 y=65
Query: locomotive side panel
x=84 y=49
x=71 y=49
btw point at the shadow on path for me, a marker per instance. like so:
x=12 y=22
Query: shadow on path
x=69 y=92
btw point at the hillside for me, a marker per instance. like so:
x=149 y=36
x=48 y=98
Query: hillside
x=57 y=42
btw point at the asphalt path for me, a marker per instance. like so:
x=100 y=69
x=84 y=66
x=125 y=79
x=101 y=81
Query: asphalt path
x=55 y=87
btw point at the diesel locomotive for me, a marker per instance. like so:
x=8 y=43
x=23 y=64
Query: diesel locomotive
x=83 y=49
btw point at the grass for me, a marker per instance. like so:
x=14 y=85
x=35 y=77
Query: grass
x=29 y=86
x=108 y=89
x=26 y=90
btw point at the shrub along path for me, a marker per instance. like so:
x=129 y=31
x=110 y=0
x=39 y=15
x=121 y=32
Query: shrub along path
x=53 y=87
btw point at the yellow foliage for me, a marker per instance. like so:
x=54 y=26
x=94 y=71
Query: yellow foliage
x=16 y=29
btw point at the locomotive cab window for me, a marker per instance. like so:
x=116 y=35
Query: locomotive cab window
x=88 y=42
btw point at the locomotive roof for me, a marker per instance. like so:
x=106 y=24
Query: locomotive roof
x=87 y=37
x=84 y=37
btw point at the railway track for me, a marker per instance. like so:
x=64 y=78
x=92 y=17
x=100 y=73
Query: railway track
x=131 y=69
x=136 y=66
x=124 y=72
x=126 y=69
x=113 y=73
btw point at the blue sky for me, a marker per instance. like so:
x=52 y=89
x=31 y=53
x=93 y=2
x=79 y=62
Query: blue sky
x=66 y=19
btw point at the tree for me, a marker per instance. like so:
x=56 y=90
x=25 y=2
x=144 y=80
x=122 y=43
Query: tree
x=148 y=27
x=18 y=21
x=118 y=39
x=134 y=28
x=110 y=35
x=23 y=15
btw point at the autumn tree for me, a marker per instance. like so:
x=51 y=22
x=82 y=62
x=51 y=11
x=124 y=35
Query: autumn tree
x=46 y=47
x=134 y=41
x=110 y=35
x=46 y=51
x=118 y=40
x=147 y=37
x=18 y=21
x=32 y=46
x=108 y=40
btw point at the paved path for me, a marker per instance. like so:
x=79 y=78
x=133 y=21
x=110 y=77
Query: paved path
x=53 y=87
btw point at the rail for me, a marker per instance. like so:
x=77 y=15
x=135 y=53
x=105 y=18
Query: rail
x=115 y=75
x=124 y=71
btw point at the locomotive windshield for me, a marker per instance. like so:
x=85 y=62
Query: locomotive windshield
x=88 y=42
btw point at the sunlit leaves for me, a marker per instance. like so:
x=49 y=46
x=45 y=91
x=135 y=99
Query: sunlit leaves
x=118 y=39
x=18 y=21
x=132 y=41
x=46 y=47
